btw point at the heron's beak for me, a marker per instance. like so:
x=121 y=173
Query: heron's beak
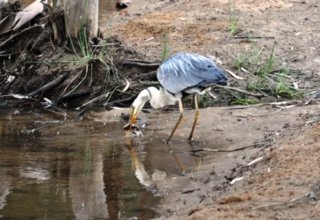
x=133 y=118
x=131 y=127
x=134 y=114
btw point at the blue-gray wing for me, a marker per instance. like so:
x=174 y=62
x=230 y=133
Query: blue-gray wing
x=186 y=70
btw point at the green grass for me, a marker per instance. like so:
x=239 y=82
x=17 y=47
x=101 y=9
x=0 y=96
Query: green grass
x=249 y=60
x=261 y=65
x=283 y=89
x=166 y=48
x=267 y=67
x=91 y=59
x=233 y=26
x=233 y=19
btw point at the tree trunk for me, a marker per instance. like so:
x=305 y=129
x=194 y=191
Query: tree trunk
x=82 y=15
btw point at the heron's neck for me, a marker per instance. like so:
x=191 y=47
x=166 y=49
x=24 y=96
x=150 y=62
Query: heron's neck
x=158 y=98
x=161 y=98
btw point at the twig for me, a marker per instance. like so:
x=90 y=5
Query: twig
x=225 y=150
x=17 y=96
x=127 y=85
x=58 y=112
x=295 y=201
x=313 y=96
x=20 y=33
x=107 y=45
x=237 y=179
x=258 y=95
x=140 y=63
x=49 y=86
x=193 y=211
x=152 y=76
x=75 y=95
x=285 y=104
x=254 y=161
x=70 y=82
x=245 y=106
x=190 y=191
x=93 y=100
x=119 y=101
x=253 y=37
x=234 y=75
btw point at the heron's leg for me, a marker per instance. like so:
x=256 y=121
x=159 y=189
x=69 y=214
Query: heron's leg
x=178 y=122
x=196 y=117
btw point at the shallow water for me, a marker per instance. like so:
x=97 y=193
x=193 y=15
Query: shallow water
x=52 y=168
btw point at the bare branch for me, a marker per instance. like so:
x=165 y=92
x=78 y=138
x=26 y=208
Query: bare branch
x=258 y=95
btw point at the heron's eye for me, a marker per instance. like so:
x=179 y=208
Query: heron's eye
x=209 y=66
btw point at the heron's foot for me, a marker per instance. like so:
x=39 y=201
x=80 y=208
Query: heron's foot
x=191 y=140
x=134 y=129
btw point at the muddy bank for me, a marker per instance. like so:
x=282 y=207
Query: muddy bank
x=41 y=65
x=284 y=185
x=283 y=182
x=44 y=62
x=254 y=162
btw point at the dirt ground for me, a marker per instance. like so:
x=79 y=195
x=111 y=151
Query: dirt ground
x=284 y=182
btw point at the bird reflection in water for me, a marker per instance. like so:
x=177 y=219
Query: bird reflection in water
x=145 y=179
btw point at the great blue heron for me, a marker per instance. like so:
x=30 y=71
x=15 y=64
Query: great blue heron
x=182 y=73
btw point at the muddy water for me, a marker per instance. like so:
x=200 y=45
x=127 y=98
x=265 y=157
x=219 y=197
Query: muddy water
x=52 y=168
x=57 y=168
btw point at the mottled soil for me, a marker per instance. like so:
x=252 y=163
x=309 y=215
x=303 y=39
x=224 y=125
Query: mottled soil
x=284 y=183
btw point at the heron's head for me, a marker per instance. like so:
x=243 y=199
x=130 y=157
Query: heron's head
x=157 y=98
x=137 y=105
x=221 y=78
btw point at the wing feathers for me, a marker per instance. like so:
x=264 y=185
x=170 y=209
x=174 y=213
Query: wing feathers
x=186 y=70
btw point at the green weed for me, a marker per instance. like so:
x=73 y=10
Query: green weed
x=233 y=19
x=249 y=61
x=265 y=78
x=166 y=48
x=284 y=89
x=92 y=59
x=233 y=26
x=267 y=67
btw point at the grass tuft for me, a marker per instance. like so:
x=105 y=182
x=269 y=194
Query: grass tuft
x=265 y=77
x=166 y=48
x=233 y=19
